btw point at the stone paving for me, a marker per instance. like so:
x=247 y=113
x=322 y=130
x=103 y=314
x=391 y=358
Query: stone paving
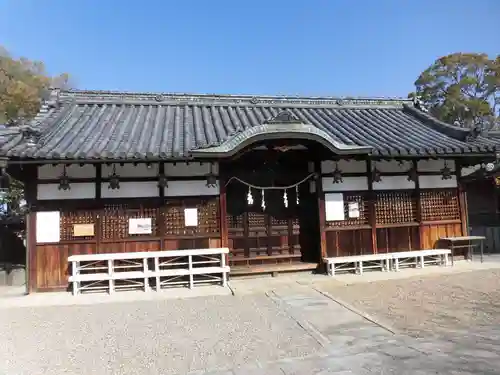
x=284 y=328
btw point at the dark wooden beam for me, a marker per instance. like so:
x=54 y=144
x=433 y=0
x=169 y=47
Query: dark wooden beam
x=372 y=200
x=223 y=206
x=321 y=208
x=462 y=199
x=418 y=207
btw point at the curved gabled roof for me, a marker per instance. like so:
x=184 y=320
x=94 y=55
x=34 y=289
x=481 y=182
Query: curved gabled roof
x=109 y=125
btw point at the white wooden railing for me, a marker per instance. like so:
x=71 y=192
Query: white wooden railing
x=112 y=271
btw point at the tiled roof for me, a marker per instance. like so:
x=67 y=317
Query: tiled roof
x=108 y=125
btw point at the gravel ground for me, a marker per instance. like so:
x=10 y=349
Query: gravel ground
x=429 y=304
x=155 y=337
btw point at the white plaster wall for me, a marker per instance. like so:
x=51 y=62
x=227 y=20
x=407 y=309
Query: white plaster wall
x=141 y=189
x=349 y=184
x=77 y=191
x=436 y=182
x=130 y=170
x=393 y=183
x=49 y=171
x=346 y=166
x=392 y=166
x=469 y=170
x=434 y=165
x=190 y=188
x=191 y=169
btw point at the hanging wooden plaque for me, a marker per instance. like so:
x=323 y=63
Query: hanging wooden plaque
x=83 y=230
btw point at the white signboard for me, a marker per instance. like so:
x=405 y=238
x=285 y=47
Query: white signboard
x=353 y=208
x=47 y=227
x=334 y=207
x=191 y=217
x=140 y=226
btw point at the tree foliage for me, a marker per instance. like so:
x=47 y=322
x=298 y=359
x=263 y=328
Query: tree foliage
x=23 y=86
x=462 y=89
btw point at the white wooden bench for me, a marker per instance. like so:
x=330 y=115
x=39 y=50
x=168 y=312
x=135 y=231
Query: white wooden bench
x=419 y=258
x=387 y=261
x=357 y=263
x=113 y=271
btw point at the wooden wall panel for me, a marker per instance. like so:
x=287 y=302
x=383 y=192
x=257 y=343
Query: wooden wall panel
x=390 y=240
x=432 y=233
x=52 y=264
x=348 y=242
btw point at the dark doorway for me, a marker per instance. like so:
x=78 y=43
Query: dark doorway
x=272 y=226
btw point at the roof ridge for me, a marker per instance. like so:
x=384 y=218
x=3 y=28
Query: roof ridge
x=237 y=98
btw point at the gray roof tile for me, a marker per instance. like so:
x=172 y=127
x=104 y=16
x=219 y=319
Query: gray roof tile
x=107 y=125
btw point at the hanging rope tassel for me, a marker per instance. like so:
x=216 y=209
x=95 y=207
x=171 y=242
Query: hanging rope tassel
x=263 y=205
x=297 y=194
x=285 y=199
x=249 y=197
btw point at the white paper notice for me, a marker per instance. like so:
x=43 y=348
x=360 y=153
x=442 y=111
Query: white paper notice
x=353 y=208
x=191 y=217
x=334 y=207
x=47 y=227
x=140 y=226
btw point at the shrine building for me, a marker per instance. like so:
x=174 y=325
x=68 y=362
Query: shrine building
x=283 y=182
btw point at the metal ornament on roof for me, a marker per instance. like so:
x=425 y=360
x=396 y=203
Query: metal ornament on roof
x=376 y=175
x=412 y=174
x=64 y=180
x=285 y=199
x=337 y=174
x=162 y=181
x=446 y=173
x=263 y=201
x=114 y=180
x=211 y=178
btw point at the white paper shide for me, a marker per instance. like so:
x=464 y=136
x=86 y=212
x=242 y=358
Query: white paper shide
x=353 y=210
x=140 y=226
x=334 y=207
x=48 y=227
x=191 y=217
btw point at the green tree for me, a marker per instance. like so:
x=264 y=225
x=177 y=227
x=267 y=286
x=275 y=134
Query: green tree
x=23 y=86
x=462 y=89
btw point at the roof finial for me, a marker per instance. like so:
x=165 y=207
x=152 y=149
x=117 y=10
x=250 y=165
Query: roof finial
x=418 y=103
x=53 y=99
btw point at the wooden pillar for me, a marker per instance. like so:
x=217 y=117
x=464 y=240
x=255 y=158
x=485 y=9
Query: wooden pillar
x=223 y=206
x=372 y=197
x=100 y=211
x=30 y=190
x=421 y=231
x=462 y=200
x=162 y=210
x=321 y=210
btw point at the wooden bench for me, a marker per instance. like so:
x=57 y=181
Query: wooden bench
x=130 y=270
x=357 y=263
x=387 y=261
x=419 y=258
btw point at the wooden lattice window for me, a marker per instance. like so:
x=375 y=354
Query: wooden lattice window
x=439 y=204
x=70 y=219
x=208 y=218
x=256 y=220
x=235 y=221
x=395 y=207
x=361 y=200
x=115 y=221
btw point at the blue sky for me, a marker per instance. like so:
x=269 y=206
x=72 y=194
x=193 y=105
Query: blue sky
x=309 y=47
